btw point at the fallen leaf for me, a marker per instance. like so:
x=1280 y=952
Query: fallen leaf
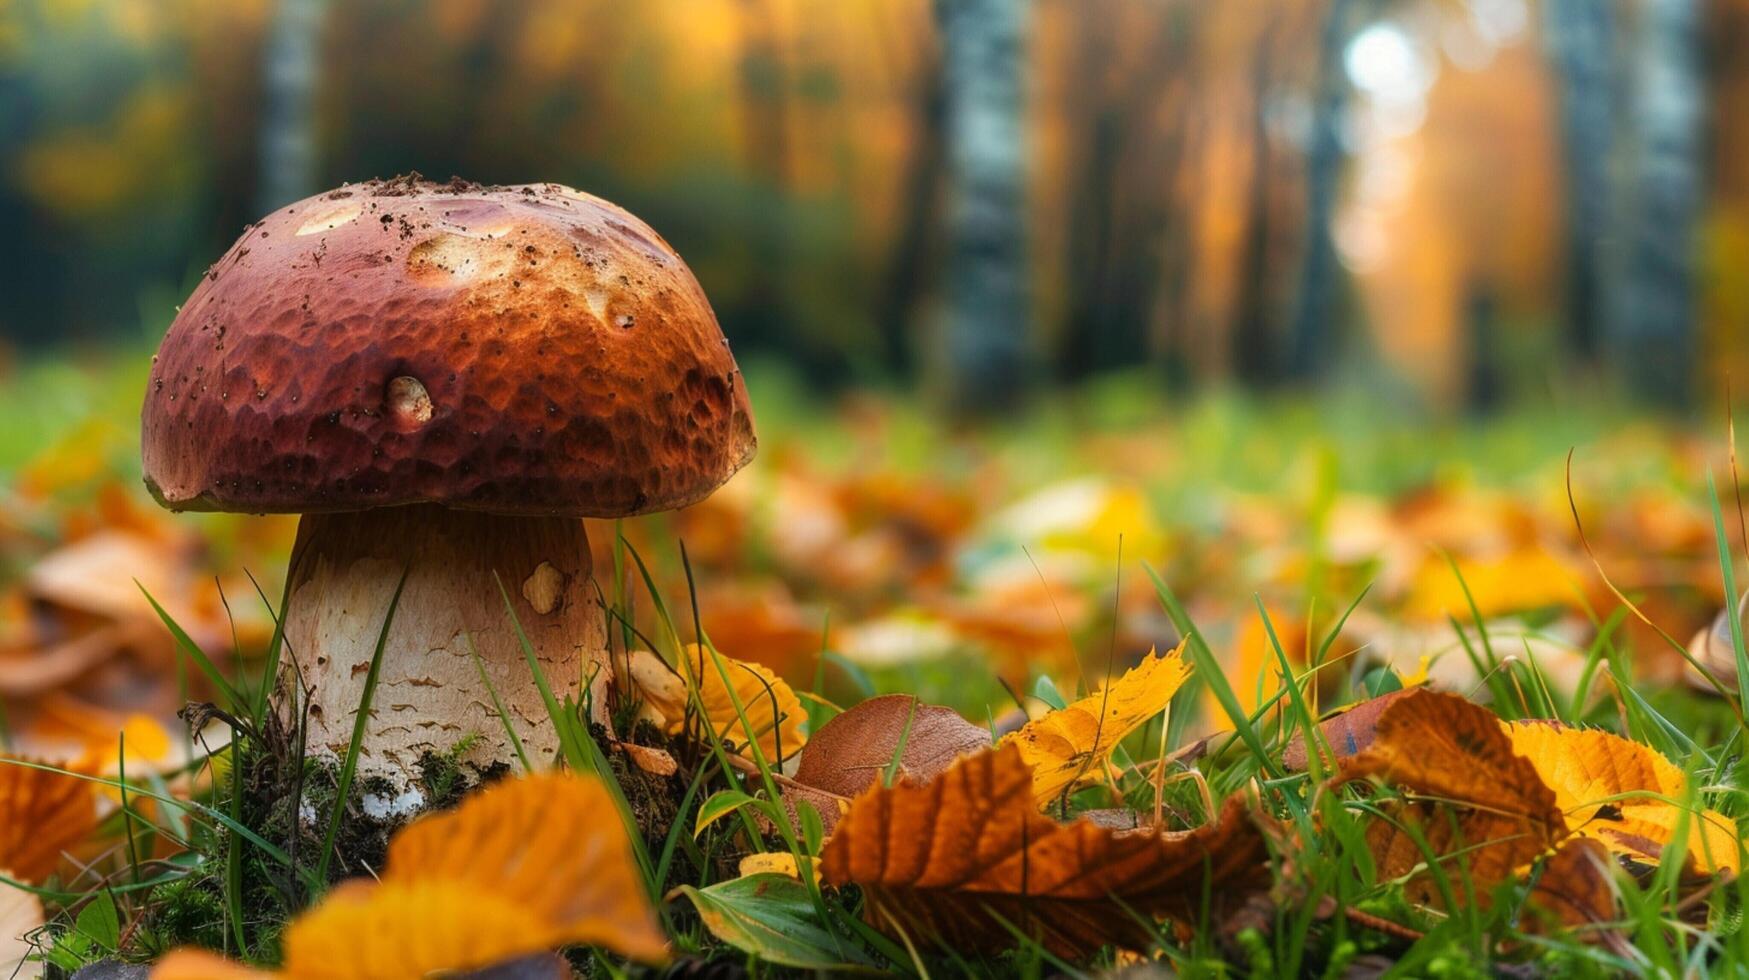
x=1493 y=814
x=21 y=914
x=1444 y=746
x=521 y=867
x=942 y=859
x=654 y=761
x=1619 y=792
x=851 y=752
x=1526 y=578
x=774 y=863
x=43 y=813
x=773 y=713
x=30 y=672
x=1576 y=889
x=1347 y=732
x=1065 y=748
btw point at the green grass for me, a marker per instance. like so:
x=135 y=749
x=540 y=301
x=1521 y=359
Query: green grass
x=238 y=883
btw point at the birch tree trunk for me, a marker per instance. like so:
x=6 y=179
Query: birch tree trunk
x=1312 y=333
x=986 y=309
x=1651 y=318
x=291 y=64
x=1581 y=39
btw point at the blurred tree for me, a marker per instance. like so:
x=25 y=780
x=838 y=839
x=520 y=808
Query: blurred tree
x=986 y=329
x=1651 y=325
x=906 y=278
x=1581 y=38
x=292 y=65
x=1123 y=102
x=1312 y=334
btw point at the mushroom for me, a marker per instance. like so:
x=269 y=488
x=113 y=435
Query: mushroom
x=442 y=379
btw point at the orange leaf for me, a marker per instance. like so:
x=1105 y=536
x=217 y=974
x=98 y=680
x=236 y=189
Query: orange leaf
x=1064 y=749
x=519 y=868
x=42 y=814
x=1453 y=753
x=942 y=859
x=1440 y=745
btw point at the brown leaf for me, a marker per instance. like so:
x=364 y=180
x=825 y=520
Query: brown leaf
x=944 y=858
x=849 y=753
x=1477 y=850
x=1440 y=745
x=1576 y=889
x=1348 y=732
x=1483 y=808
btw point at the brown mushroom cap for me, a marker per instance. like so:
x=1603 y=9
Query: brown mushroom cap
x=520 y=350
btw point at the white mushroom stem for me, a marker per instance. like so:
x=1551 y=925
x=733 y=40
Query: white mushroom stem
x=429 y=696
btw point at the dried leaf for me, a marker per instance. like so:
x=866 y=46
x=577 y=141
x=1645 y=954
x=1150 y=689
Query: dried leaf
x=1476 y=850
x=654 y=761
x=1609 y=788
x=1487 y=812
x=1576 y=889
x=774 y=714
x=42 y=814
x=519 y=868
x=851 y=752
x=944 y=858
x=1065 y=748
x=1347 y=732
x=1440 y=745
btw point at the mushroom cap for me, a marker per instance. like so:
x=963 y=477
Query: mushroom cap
x=518 y=350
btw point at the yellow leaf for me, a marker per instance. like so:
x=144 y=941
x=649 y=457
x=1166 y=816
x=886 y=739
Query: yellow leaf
x=941 y=859
x=1620 y=793
x=1066 y=748
x=773 y=713
x=1525 y=578
x=519 y=868
x=775 y=862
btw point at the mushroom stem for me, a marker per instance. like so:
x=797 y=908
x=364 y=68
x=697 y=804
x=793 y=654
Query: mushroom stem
x=429 y=695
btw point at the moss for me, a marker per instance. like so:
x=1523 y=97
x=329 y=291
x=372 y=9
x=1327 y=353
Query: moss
x=188 y=912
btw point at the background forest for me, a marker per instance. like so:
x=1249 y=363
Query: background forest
x=1452 y=203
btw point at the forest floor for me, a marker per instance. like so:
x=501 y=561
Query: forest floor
x=1222 y=686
